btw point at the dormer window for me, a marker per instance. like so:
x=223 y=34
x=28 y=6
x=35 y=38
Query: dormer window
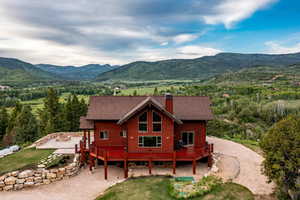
x=156 y=122
x=143 y=122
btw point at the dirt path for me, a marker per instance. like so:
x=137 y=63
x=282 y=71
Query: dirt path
x=87 y=186
x=250 y=165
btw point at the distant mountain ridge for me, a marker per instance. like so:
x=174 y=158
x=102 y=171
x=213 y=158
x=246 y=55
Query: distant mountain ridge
x=199 y=68
x=85 y=72
x=204 y=68
x=14 y=70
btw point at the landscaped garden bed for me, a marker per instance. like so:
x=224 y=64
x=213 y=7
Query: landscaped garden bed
x=158 y=187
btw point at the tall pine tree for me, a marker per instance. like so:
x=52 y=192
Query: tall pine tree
x=3 y=122
x=26 y=129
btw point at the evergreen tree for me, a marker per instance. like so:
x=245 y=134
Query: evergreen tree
x=134 y=93
x=26 y=129
x=51 y=116
x=3 y=122
x=156 y=93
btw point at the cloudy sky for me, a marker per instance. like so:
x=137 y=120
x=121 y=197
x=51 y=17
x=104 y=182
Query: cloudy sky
x=77 y=32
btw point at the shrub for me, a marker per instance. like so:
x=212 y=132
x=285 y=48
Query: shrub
x=189 y=189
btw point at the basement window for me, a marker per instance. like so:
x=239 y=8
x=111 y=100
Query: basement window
x=104 y=135
x=149 y=141
x=143 y=122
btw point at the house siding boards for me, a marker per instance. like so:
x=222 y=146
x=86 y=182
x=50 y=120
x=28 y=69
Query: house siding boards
x=166 y=133
x=114 y=138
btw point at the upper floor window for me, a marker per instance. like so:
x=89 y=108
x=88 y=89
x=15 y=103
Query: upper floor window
x=103 y=135
x=143 y=122
x=156 y=122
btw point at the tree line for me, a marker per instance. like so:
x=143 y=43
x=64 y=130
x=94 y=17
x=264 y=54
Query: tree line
x=21 y=126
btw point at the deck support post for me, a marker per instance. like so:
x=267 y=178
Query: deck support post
x=150 y=166
x=89 y=138
x=174 y=162
x=125 y=166
x=84 y=139
x=105 y=165
x=194 y=166
x=91 y=162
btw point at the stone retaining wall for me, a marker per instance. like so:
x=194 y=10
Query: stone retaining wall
x=18 y=180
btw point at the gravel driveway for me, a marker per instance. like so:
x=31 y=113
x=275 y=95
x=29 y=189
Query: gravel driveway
x=87 y=186
x=250 y=165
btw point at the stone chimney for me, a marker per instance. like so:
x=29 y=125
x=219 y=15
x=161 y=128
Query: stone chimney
x=169 y=102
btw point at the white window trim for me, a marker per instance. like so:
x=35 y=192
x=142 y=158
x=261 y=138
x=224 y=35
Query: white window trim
x=146 y=122
x=107 y=132
x=193 y=132
x=161 y=143
x=161 y=124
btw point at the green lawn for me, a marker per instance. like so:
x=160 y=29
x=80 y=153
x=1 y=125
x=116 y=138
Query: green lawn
x=23 y=159
x=156 y=188
x=145 y=90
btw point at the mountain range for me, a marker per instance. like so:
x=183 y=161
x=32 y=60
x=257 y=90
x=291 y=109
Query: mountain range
x=12 y=70
x=86 y=72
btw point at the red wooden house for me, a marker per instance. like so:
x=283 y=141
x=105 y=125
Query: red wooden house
x=146 y=128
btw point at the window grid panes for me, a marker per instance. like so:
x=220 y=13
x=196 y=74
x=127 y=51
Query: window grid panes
x=149 y=141
x=143 y=122
x=156 y=122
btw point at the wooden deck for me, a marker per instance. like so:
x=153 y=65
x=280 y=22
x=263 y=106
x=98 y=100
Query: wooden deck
x=119 y=153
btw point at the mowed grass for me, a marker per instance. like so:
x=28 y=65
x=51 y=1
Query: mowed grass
x=145 y=90
x=23 y=159
x=156 y=188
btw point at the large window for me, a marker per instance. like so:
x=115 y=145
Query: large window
x=103 y=135
x=156 y=122
x=187 y=138
x=143 y=122
x=149 y=141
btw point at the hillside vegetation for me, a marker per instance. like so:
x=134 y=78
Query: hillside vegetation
x=86 y=72
x=13 y=70
x=200 y=68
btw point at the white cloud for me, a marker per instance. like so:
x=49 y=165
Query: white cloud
x=231 y=11
x=113 y=31
x=277 y=48
x=182 y=38
x=193 y=51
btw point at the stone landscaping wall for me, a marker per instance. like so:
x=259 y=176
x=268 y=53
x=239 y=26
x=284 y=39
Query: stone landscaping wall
x=18 y=180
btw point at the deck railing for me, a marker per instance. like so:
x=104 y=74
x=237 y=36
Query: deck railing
x=120 y=153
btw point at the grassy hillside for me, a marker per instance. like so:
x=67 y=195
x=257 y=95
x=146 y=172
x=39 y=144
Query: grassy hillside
x=261 y=74
x=13 y=70
x=86 y=72
x=200 y=68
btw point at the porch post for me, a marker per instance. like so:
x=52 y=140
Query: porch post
x=174 y=162
x=89 y=138
x=105 y=165
x=194 y=166
x=84 y=138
